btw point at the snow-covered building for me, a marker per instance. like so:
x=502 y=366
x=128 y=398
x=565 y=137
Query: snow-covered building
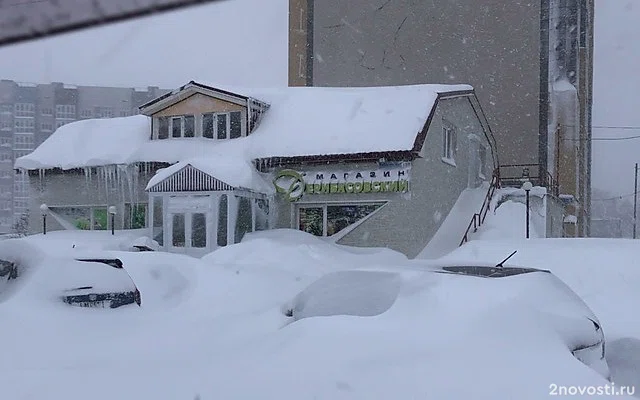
x=202 y=166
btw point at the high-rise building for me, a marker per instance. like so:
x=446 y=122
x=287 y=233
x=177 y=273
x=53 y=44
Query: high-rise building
x=30 y=113
x=529 y=61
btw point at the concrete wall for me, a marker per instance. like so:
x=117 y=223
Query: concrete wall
x=73 y=188
x=555 y=216
x=408 y=221
x=493 y=45
x=300 y=45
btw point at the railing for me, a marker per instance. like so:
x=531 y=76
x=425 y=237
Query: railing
x=478 y=218
x=516 y=174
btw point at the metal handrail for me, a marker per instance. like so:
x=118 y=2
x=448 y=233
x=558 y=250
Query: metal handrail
x=544 y=179
x=478 y=218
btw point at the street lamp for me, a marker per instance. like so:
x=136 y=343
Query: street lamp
x=527 y=186
x=112 y=213
x=44 y=210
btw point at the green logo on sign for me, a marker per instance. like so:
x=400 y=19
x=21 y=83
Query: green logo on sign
x=290 y=183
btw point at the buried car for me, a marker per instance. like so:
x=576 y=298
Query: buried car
x=111 y=287
x=462 y=291
x=26 y=274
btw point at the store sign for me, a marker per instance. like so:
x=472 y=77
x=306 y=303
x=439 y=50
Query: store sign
x=295 y=184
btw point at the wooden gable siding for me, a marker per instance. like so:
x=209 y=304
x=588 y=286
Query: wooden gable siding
x=190 y=179
x=199 y=103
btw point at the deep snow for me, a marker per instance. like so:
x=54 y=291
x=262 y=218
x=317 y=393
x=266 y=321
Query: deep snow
x=215 y=327
x=294 y=125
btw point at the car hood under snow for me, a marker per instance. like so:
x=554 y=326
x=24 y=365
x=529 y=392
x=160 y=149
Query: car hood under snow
x=540 y=296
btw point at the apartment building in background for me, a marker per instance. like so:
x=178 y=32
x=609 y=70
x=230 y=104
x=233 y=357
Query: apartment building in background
x=530 y=62
x=30 y=113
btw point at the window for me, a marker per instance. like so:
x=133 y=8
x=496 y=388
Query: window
x=222 y=126
x=46 y=111
x=301 y=25
x=189 y=126
x=5 y=142
x=85 y=114
x=198 y=230
x=46 y=126
x=261 y=211
x=103 y=112
x=157 y=229
x=327 y=220
x=222 y=221
x=135 y=216
x=74 y=217
x=449 y=141
x=311 y=220
x=66 y=111
x=244 y=220
x=301 y=66
x=100 y=219
x=235 y=124
x=178 y=230
x=24 y=125
x=163 y=128
x=125 y=113
x=181 y=126
x=23 y=142
x=176 y=127
x=207 y=125
x=25 y=110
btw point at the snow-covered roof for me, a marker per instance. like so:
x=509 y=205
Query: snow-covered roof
x=234 y=171
x=90 y=142
x=301 y=121
x=308 y=121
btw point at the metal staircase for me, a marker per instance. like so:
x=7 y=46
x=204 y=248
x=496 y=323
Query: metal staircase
x=510 y=176
x=478 y=218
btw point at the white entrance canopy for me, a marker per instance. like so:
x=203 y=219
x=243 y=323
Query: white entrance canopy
x=193 y=211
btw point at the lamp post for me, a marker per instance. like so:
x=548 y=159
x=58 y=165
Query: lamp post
x=44 y=210
x=112 y=213
x=527 y=186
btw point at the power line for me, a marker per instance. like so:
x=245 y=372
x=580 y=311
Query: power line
x=613 y=127
x=617 y=197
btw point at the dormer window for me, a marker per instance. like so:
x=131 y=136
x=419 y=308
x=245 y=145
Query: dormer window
x=179 y=126
x=226 y=125
x=200 y=111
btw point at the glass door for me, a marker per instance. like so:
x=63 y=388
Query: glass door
x=189 y=233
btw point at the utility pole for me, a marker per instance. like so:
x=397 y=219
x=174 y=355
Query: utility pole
x=635 y=202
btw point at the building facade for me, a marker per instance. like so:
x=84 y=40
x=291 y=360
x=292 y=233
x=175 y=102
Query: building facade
x=217 y=164
x=529 y=62
x=30 y=113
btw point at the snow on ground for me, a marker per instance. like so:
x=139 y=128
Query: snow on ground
x=603 y=272
x=455 y=224
x=214 y=327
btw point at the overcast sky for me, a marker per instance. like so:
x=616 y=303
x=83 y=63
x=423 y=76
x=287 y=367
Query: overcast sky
x=234 y=42
x=203 y=42
x=616 y=94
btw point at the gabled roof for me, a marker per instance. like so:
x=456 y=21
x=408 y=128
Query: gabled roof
x=189 y=179
x=209 y=174
x=177 y=95
x=303 y=124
